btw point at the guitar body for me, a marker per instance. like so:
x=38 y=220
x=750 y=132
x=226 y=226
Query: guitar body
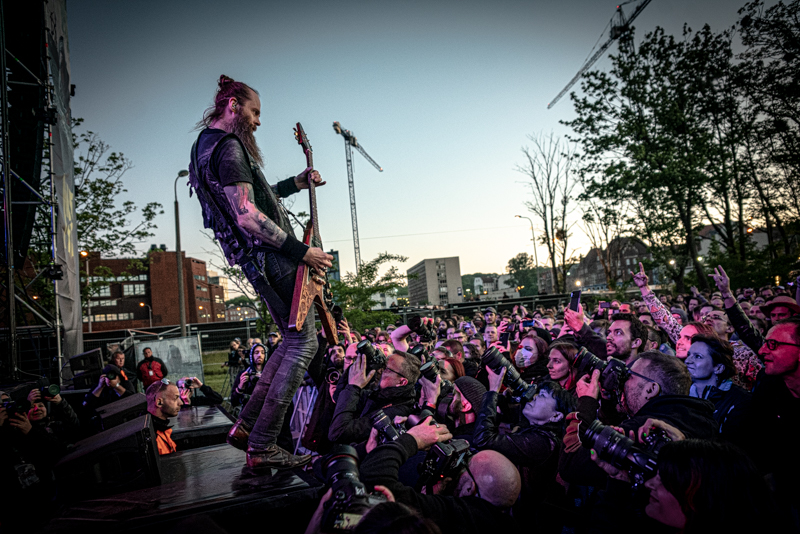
x=310 y=286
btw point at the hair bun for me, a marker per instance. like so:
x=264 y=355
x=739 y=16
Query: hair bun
x=224 y=80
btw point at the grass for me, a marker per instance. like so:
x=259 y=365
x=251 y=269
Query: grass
x=215 y=375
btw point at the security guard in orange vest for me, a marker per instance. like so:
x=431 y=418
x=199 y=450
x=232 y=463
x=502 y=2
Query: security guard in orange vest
x=163 y=401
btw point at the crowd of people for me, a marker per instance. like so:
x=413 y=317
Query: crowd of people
x=671 y=413
x=38 y=427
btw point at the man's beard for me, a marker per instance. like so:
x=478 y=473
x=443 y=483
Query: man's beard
x=244 y=131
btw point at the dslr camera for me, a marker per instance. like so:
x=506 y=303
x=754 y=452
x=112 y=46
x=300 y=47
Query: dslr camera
x=446 y=459
x=376 y=360
x=389 y=431
x=46 y=389
x=350 y=500
x=640 y=460
x=426 y=332
x=613 y=372
x=495 y=361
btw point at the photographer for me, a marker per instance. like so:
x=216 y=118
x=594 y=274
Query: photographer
x=109 y=389
x=118 y=359
x=700 y=486
x=657 y=387
x=31 y=442
x=336 y=362
x=483 y=493
x=357 y=402
x=463 y=399
x=534 y=448
x=247 y=379
x=187 y=386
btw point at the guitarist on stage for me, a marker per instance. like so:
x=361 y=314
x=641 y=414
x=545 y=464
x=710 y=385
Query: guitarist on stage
x=254 y=232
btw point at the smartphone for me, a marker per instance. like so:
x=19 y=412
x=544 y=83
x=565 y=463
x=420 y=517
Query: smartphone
x=504 y=337
x=527 y=323
x=574 y=300
x=604 y=305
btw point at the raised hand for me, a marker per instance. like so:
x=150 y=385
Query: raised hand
x=640 y=278
x=358 y=372
x=721 y=279
x=574 y=319
x=495 y=379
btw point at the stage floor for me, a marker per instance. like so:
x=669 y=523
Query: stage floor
x=212 y=481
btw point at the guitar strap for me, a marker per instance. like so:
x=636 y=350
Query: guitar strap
x=252 y=270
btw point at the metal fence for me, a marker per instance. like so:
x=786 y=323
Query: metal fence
x=213 y=336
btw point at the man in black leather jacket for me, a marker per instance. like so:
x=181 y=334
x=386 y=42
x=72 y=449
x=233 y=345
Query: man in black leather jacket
x=483 y=495
x=658 y=388
x=355 y=405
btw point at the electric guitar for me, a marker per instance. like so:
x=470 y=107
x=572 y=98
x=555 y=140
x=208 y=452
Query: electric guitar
x=311 y=286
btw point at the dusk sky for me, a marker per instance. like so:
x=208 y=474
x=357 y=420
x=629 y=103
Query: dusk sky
x=442 y=94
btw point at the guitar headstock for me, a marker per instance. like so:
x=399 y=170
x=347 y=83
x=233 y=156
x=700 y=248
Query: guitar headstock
x=301 y=137
x=302 y=140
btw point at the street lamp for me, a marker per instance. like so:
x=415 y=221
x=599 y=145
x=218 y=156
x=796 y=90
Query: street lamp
x=178 y=259
x=149 y=312
x=578 y=283
x=203 y=314
x=85 y=254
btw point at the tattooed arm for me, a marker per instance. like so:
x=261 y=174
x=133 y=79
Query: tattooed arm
x=251 y=220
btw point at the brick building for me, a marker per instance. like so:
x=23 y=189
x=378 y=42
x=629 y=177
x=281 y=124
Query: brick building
x=138 y=290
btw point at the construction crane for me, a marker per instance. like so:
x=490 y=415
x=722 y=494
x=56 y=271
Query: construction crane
x=350 y=142
x=618 y=28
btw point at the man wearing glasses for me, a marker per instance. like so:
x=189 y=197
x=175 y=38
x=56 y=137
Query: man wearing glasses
x=775 y=414
x=658 y=388
x=359 y=400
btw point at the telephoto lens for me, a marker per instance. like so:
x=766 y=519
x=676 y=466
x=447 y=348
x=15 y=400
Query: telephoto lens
x=350 y=500
x=513 y=381
x=622 y=452
x=430 y=370
x=386 y=429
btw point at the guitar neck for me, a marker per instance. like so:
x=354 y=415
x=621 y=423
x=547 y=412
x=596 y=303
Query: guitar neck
x=312 y=197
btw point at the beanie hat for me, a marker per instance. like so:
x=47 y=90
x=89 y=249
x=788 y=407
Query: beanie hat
x=681 y=314
x=472 y=390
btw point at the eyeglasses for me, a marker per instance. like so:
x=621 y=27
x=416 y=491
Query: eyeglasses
x=477 y=489
x=715 y=317
x=395 y=372
x=773 y=344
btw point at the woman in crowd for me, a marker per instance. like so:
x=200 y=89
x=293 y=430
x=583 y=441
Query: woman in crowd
x=530 y=358
x=560 y=358
x=451 y=368
x=710 y=362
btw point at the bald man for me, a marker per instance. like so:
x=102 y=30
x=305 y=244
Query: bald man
x=482 y=495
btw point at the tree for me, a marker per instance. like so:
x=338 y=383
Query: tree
x=523 y=274
x=103 y=224
x=355 y=291
x=553 y=181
